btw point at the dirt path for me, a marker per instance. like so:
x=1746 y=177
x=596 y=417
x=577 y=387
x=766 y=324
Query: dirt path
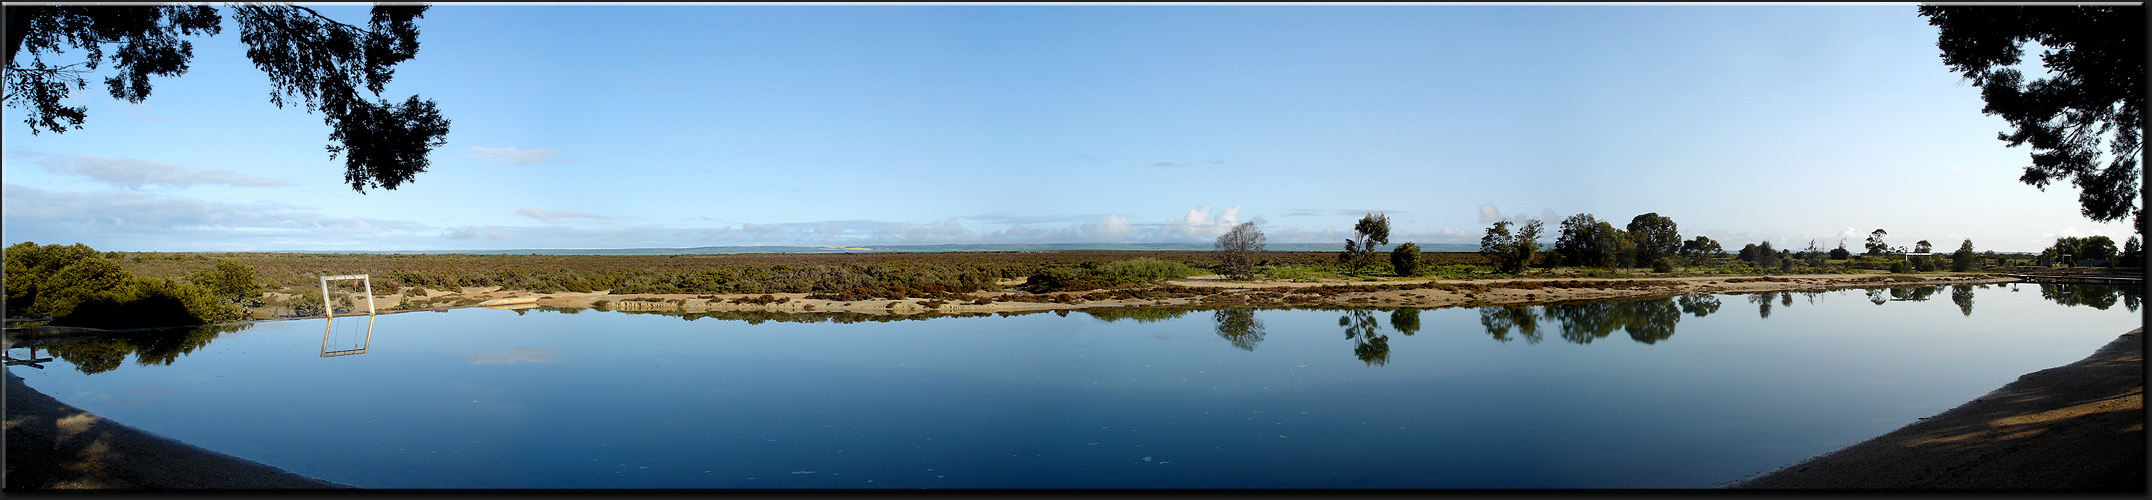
x=2079 y=426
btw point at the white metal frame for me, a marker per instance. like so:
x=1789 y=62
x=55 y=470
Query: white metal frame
x=330 y=310
x=329 y=326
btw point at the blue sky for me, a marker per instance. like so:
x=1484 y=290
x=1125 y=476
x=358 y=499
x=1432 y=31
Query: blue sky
x=629 y=126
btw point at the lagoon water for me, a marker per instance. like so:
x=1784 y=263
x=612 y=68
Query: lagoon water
x=1685 y=392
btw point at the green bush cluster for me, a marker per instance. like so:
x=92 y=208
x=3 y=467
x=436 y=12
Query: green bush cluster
x=1092 y=276
x=77 y=286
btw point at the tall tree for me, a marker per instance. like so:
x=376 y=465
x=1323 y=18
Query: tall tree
x=1962 y=260
x=1371 y=231
x=1510 y=252
x=1656 y=237
x=1236 y=249
x=335 y=68
x=1583 y=241
x=1700 y=248
x=1875 y=245
x=2095 y=97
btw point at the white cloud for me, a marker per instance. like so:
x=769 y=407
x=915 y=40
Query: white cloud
x=133 y=174
x=516 y=156
x=1110 y=227
x=1489 y=214
x=159 y=222
x=553 y=216
x=1198 y=224
x=474 y=233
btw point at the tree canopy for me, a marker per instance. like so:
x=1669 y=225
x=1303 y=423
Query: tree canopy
x=1510 y=252
x=2094 y=98
x=1369 y=232
x=320 y=61
x=1656 y=237
x=1234 y=249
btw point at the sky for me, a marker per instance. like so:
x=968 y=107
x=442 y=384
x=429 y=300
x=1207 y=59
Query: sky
x=668 y=126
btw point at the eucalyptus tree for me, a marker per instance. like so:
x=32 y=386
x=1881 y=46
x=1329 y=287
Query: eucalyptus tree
x=1371 y=231
x=2091 y=96
x=1656 y=237
x=1510 y=252
x=325 y=65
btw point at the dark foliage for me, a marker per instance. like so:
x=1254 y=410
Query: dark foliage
x=2095 y=96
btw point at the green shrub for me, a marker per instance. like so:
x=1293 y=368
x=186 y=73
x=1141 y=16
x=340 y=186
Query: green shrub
x=231 y=281
x=28 y=265
x=1897 y=266
x=85 y=280
x=1405 y=259
x=1110 y=274
x=147 y=303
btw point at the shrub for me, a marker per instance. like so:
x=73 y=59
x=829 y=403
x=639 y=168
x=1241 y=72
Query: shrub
x=1897 y=266
x=1662 y=266
x=233 y=282
x=85 y=280
x=1405 y=259
x=146 y=303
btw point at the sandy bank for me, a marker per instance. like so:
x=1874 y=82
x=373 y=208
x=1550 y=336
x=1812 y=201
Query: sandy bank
x=2078 y=426
x=1205 y=291
x=52 y=445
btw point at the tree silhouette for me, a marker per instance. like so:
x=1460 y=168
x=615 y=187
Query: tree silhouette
x=1370 y=231
x=2095 y=96
x=320 y=61
x=1235 y=248
x=1510 y=253
x=1656 y=237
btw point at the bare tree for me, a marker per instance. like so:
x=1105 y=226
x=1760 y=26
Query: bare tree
x=1235 y=249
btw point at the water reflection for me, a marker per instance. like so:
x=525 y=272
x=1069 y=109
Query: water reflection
x=1963 y=296
x=1239 y=327
x=1369 y=344
x=102 y=353
x=2096 y=296
x=359 y=344
x=1647 y=321
x=1698 y=305
x=1499 y=320
x=1405 y=320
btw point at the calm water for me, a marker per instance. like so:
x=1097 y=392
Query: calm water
x=1670 y=393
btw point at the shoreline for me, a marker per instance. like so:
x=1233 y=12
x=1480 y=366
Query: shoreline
x=1209 y=291
x=69 y=448
x=2059 y=428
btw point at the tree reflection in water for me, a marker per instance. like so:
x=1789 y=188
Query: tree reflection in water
x=1963 y=296
x=1369 y=344
x=103 y=353
x=1239 y=327
x=1763 y=304
x=1405 y=320
x=1500 y=319
x=2095 y=296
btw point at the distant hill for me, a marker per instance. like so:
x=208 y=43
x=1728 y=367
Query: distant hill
x=999 y=247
